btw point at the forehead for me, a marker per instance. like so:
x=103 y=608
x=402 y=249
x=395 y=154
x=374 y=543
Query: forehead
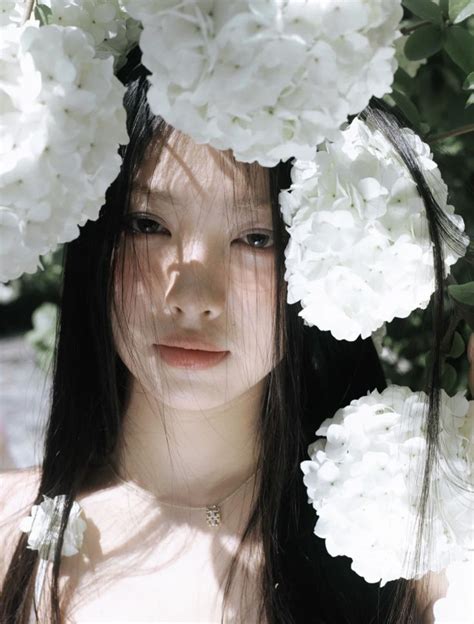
x=183 y=170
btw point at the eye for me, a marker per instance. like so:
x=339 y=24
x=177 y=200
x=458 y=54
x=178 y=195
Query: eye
x=142 y=224
x=137 y=223
x=257 y=240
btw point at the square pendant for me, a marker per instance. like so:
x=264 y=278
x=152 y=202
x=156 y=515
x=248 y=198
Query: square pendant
x=213 y=515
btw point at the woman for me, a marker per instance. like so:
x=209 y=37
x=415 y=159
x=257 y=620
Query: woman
x=146 y=437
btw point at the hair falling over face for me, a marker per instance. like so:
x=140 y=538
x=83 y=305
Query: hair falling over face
x=121 y=294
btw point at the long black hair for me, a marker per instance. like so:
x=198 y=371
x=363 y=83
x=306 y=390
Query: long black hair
x=316 y=375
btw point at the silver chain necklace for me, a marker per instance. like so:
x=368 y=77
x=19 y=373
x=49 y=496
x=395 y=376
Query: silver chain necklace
x=213 y=512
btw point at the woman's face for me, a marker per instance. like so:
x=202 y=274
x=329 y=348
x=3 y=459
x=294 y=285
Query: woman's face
x=201 y=266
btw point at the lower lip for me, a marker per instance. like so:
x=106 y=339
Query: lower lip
x=190 y=358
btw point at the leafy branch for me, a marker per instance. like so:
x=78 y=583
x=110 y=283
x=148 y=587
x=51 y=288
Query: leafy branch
x=451 y=133
x=409 y=29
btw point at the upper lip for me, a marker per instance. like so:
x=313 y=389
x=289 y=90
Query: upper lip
x=189 y=343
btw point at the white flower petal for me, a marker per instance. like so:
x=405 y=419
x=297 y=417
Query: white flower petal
x=43 y=527
x=59 y=159
x=366 y=495
x=332 y=56
x=359 y=253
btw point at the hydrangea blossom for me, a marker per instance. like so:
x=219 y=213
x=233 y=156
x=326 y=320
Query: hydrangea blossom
x=319 y=62
x=57 y=159
x=362 y=482
x=11 y=12
x=359 y=252
x=109 y=28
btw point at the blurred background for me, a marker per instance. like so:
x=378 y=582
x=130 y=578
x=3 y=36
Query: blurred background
x=432 y=94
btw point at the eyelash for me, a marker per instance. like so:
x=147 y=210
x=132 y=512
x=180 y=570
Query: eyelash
x=131 y=219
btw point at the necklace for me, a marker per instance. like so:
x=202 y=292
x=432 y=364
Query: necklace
x=213 y=512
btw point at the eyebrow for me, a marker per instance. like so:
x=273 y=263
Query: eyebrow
x=257 y=204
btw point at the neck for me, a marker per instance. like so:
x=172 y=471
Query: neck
x=189 y=457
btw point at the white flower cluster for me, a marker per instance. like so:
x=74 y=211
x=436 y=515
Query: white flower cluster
x=362 y=482
x=61 y=122
x=457 y=606
x=317 y=63
x=11 y=12
x=359 y=252
x=43 y=523
x=109 y=28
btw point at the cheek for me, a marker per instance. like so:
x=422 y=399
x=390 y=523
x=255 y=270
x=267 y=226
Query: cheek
x=252 y=272
x=254 y=314
x=139 y=278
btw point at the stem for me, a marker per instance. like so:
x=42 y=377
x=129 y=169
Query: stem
x=28 y=10
x=410 y=29
x=451 y=133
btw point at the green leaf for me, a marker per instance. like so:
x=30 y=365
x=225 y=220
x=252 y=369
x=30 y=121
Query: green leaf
x=428 y=356
x=468 y=83
x=403 y=81
x=459 y=10
x=406 y=106
x=423 y=42
x=462 y=293
x=444 y=6
x=426 y=9
x=43 y=13
x=459 y=45
x=463 y=298
x=457 y=346
x=470 y=100
x=449 y=378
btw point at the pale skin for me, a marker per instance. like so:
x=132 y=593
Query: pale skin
x=204 y=279
x=139 y=559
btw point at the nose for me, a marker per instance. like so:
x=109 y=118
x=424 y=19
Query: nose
x=196 y=293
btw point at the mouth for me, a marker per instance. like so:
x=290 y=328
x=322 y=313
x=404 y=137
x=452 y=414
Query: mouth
x=179 y=357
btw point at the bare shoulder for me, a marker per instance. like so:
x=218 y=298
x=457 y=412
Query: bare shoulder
x=18 y=489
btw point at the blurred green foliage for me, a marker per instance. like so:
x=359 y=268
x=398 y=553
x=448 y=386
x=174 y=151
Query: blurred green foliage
x=21 y=297
x=433 y=91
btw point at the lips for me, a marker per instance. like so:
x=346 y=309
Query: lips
x=194 y=344
x=190 y=358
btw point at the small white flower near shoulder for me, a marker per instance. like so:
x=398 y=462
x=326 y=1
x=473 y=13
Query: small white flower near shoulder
x=362 y=481
x=43 y=525
x=359 y=252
